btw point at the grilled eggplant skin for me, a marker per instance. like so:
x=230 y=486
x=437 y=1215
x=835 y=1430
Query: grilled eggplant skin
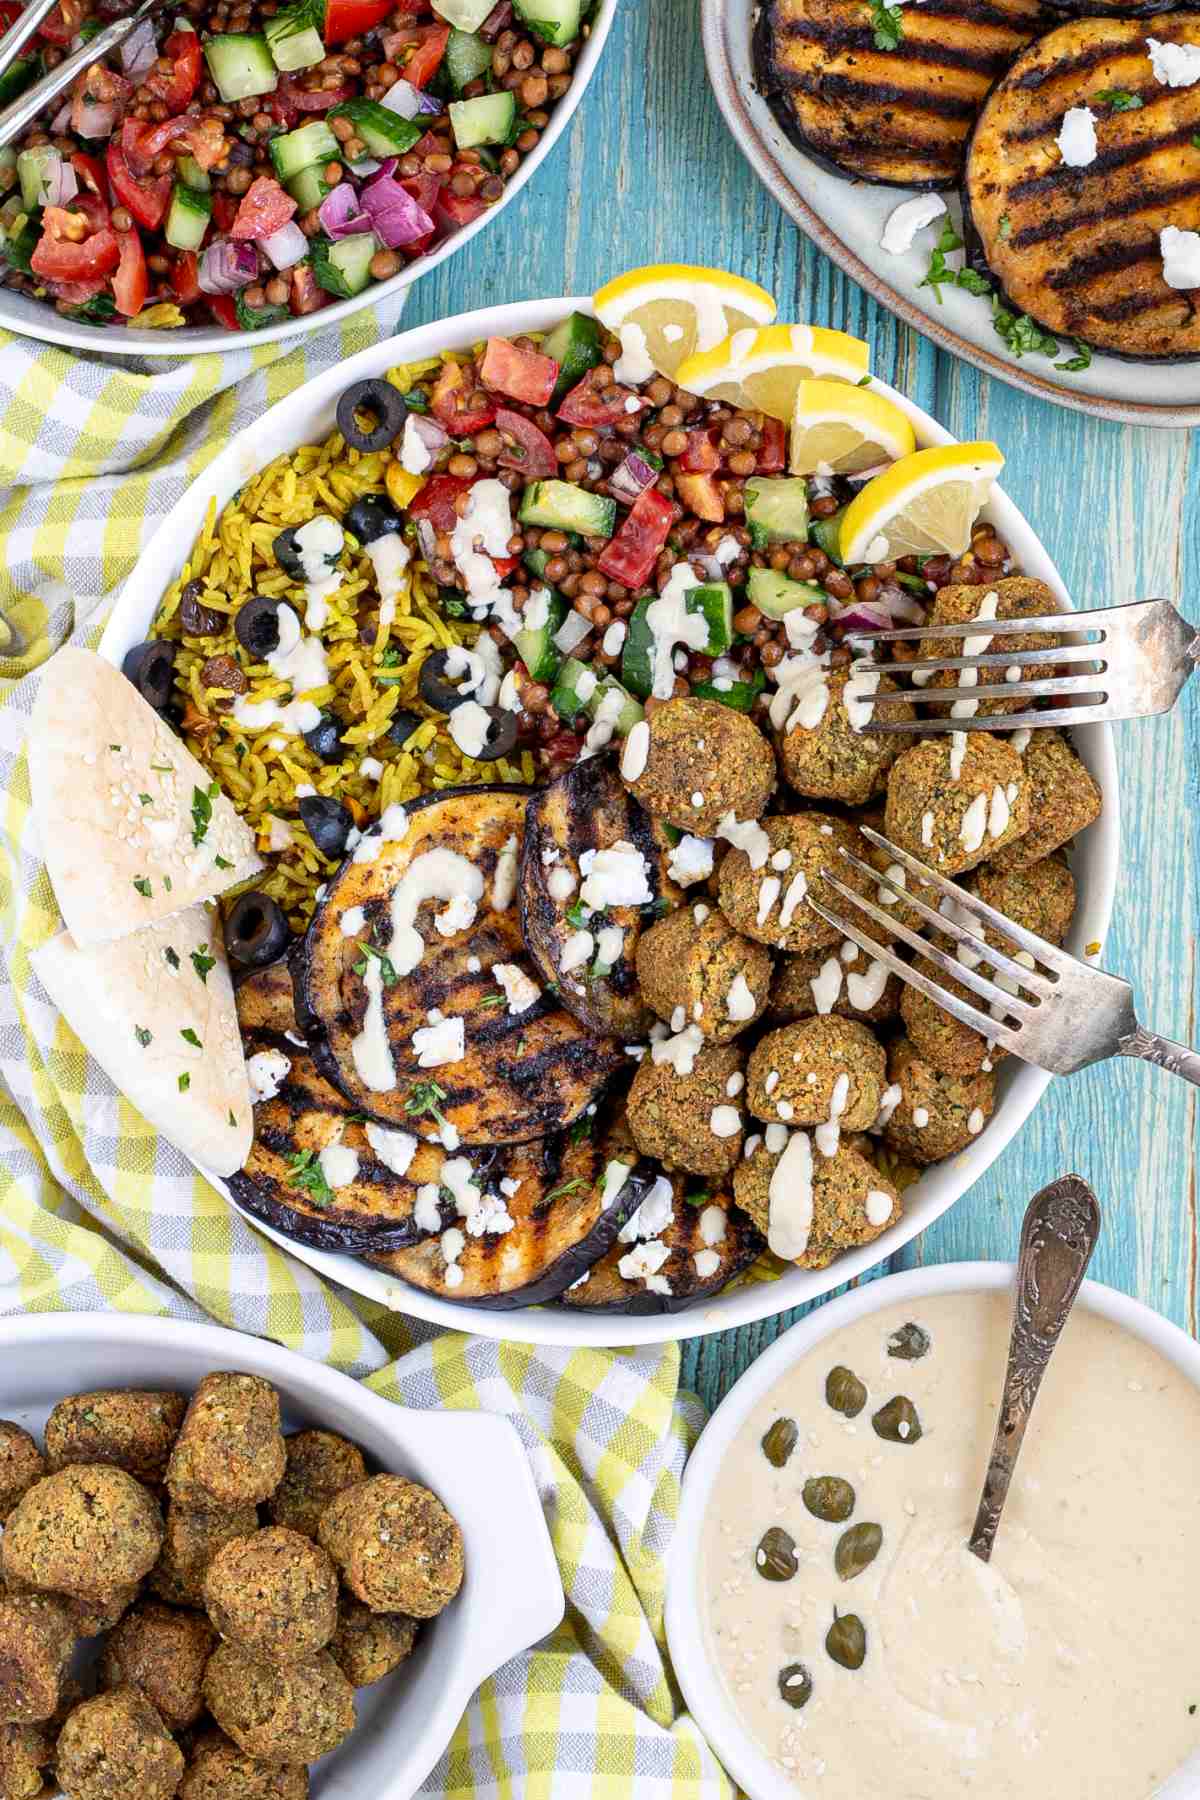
x=588 y=808
x=523 y=1075
x=892 y=118
x=1109 y=9
x=607 y=1290
x=1078 y=249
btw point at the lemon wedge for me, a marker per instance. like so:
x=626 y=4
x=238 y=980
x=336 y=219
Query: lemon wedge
x=761 y=370
x=667 y=311
x=924 y=505
x=838 y=429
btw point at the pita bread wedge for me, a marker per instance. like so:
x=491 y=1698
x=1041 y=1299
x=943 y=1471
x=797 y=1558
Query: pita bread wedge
x=133 y=828
x=156 y=1011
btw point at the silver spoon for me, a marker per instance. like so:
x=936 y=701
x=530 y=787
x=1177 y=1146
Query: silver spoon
x=1057 y=1239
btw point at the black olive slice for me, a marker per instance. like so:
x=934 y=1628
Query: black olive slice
x=327 y=822
x=256 y=932
x=151 y=668
x=377 y=400
x=372 y=518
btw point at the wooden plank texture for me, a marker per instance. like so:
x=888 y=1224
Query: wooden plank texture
x=649 y=173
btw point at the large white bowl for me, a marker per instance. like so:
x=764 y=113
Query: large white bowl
x=307 y=416
x=38 y=319
x=687 y=1634
x=511 y=1594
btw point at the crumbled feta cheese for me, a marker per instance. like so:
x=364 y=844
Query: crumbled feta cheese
x=415 y=455
x=519 y=990
x=1174 y=65
x=1077 y=137
x=267 y=1070
x=725 y=1121
x=617 y=876
x=395 y=1149
x=691 y=860
x=1180 y=252
x=907 y=219
x=439 y=1044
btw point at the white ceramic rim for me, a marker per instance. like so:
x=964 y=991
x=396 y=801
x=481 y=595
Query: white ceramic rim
x=702 y=1687
x=308 y=415
x=38 y=319
x=518 y=1598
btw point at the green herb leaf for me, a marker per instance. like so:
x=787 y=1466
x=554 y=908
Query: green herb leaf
x=202 y=962
x=1082 y=359
x=699 y=1197
x=493 y=1000
x=423 y=1101
x=185 y=1082
x=159 y=768
x=1022 y=334
x=167 y=883
x=566 y=1187
x=145 y=800
x=416 y=400
x=1005 y=225
x=582 y=1128
x=864 y=381
x=308 y=1174
x=142 y=884
x=1120 y=99
x=202 y=800
x=189 y=1037
x=387 y=969
x=222 y=862
x=578 y=915
x=231 y=1118
x=887 y=23
x=143 y=1036
x=172 y=956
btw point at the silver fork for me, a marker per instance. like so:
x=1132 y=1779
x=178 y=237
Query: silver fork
x=1138 y=665
x=1067 y=1014
x=25 y=109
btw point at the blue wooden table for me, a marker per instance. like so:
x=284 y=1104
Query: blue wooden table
x=648 y=173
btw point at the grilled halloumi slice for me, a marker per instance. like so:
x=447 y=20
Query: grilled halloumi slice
x=897 y=117
x=1078 y=248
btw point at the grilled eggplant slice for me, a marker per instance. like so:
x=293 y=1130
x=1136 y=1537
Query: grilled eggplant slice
x=571 y=1202
x=523 y=1074
x=686 y=1276
x=894 y=118
x=282 y=1182
x=589 y=809
x=1078 y=249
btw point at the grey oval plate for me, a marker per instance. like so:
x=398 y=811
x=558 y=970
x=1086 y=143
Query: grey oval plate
x=845 y=219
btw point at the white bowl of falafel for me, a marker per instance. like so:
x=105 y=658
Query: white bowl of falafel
x=814 y=1037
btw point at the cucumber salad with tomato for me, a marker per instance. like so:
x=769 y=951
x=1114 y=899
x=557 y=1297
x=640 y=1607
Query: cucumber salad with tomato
x=243 y=162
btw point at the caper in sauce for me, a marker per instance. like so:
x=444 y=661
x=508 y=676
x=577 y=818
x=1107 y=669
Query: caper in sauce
x=828 y=1497
x=845 y=1392
x=897 y=1421
x=909 y=1344
x=846 y=1640
x=775 y=1557
x=795 y=1685
x=779 y=1441
x=857 y=1550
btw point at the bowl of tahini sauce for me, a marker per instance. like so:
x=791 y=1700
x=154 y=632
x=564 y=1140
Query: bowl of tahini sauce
x=834 y=1637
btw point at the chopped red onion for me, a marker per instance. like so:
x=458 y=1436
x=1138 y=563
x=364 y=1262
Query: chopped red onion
x=139 y=52
x=227 y=265
x=571 y=632
x=364 y=165
x=59 y=183
x=427 y=539
x=287 y=246
x=62 y=117
x=341 y=212
x=394 y=214
x=409 y=101
x=902 y=605
x=632 y=478
x=864 y=615
x=430 y=433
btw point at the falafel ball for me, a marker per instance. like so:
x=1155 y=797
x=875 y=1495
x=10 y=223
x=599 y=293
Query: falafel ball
x=131 y=1430
x=1064 y=800
x=293 y=1714
x=397 y=1547
x=843 y=982
x=684 y=1109
x=952 y=1047
x=768 y=903
x=162 y=1653
x=954 y=801
x=937 y=1115
x=100 y=1612
x=218 y=1770
x=1015 y=597
x=115 y=1747
x=703 y=760
x=36 y=1641
x=230 y=1449
x=826 y=1072
x=275 y=1593
x=820 y=1205
x=840 y=758
x=369 y=1645
x=21 y=1464
x=85 y=1530
x=319 y=1465
x=26 y=1751
x=1040 y=896
x=192 y=1535
x=693 y=965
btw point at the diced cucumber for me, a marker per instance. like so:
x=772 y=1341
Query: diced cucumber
x=468 y=56
x=296 y=150
x=714 y=601
x=488 y=120
x=740 y=695
x=241 y=65
x=579 y=688
x=776 y=511
x=19 y=75
x=534 y=644
x=187 y=220
x=554 y=21
x=565 y=696
x=292 y=45
x=825 y=534
x=33 y=167
x=631 y=710
x=344 y=268
x=192 y=175
x=775 y=594
x=535 y=561
x=561 y=506
x=384 y=132
x=464 y=15
x=575 y=347
x=309 y=187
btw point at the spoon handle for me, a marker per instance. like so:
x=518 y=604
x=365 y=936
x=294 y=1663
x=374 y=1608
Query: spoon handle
x=1057 y=1239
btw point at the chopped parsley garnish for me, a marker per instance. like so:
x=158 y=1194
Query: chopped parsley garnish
x=308 y=1174
x=202 y=962
x=115 y=747
x=1196 y=141
x=493 y=1000
x=167 y=883
x=185 y=1082
x=1005 y=225
x=231 y=1118
x=565 y=1187
x=387 y=969
x=146 y=799
x=1120 y=99
x=172 y=956
x=202 y=799
x=1023 y=335
x=699 y=1197
x=391 y=658
x=913 y=582
x=143 y=1036
x=189 y=1037
x=1082 y=359
x=939 y=273
x=582 y=1128
x=424 y=1099
x=578 y=914
x=161 y=768
x=222 y=862
x=142 y=884
x=864 y=381
x=887 y=23
x=416 y=401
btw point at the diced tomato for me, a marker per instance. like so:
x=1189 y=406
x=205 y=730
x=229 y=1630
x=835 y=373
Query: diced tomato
x=455 y=406
x=456 y=210
x=281 y=109
x=772 y=455
x=61 y=25
x=417 y=51
x=701 y=456
x=131 y=283
x=264 y=210
x=504 y=565
x=435 y=501
x=90 y=172
x=632 y=554
x=59 y=259
x=351 y=18
x=701 y=495
x=185 y=277
x=223 y=311
x=176 y=86
x=98 y=99
x=596 y=408
x=147 y=201
x=94 y=209
x=417 y=246
x=224 y=211
x=306 y=295
x=521 y=374
x=78 y=293
x=531 y=451
x=305 y=100
x=10 y=12
x=142 y=142
x=424 y=190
